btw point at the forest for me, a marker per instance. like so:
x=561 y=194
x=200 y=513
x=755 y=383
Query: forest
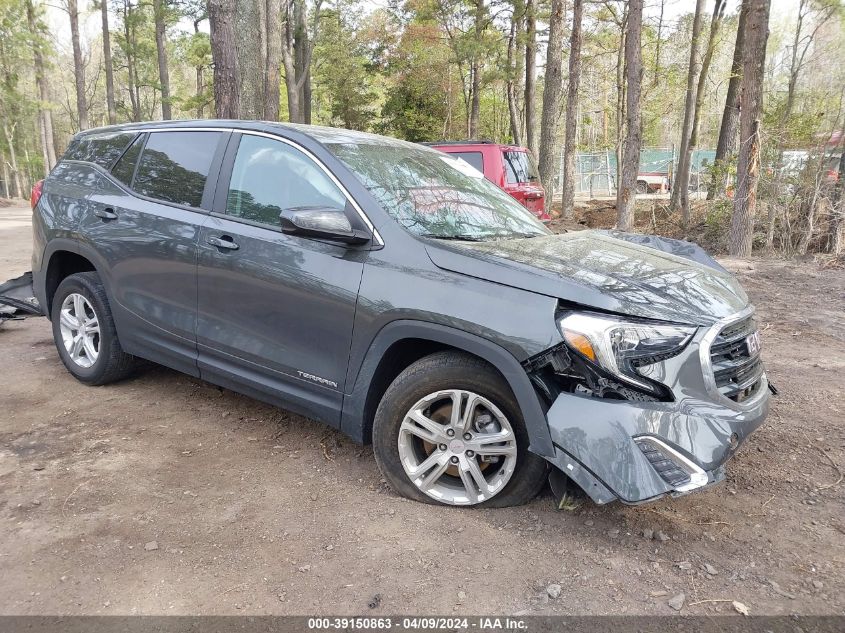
x=761 y=82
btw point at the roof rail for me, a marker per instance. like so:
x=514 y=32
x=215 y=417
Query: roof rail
x=466 y=142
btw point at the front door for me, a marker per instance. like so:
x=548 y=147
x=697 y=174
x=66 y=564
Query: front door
x=275 y=311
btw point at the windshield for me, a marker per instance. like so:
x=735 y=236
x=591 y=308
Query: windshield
x=436 y=195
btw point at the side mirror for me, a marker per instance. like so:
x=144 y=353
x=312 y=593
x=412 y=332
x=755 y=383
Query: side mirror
x=325 y=223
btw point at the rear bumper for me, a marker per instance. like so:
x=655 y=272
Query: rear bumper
x=595 y=447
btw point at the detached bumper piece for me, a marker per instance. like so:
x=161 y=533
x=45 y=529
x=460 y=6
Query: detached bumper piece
x=17 y=299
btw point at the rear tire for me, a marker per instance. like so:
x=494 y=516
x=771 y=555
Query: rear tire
x=84 y=332
x=444 y=469
x=642 y=186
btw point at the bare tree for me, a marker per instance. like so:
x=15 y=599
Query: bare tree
x=801 y=43
x=221 y=16
x=570 y=135
x=297 y=49
x=108 y=64
x=680 y=184
x=730 y=117
x=159 y=9
x=837 y=220
x=531 y=76
x=515 y=70
x=78 y=66
x=751 y=97
x=625 y=198
x=45 y=115
x=715 y=26
x=552 y=93
x=476 y=68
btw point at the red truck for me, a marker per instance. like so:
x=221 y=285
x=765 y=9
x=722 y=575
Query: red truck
x=509 y=166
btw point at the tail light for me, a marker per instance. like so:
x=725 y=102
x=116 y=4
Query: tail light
x=35 y=196
x=833 y=174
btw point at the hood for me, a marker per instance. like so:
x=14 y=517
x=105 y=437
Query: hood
x=597 y=270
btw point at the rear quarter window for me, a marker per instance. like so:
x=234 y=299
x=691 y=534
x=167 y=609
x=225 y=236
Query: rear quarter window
x=124 y=169
x=174 y=166
x=101 y=149
x=476 y=159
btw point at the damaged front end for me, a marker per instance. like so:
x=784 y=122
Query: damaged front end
x=639 y=409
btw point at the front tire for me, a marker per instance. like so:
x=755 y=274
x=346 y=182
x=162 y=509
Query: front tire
x=84 y=332
x=448 y=430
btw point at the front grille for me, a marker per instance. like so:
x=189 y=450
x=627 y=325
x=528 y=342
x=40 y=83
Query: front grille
x=738 y=373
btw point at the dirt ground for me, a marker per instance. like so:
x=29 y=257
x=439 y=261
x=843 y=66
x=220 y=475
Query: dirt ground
x=166 y=495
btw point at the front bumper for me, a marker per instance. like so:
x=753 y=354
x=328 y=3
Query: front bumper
x=594 y=438
x=594 y=442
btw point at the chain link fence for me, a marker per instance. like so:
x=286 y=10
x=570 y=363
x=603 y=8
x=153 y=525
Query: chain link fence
x=595 y=172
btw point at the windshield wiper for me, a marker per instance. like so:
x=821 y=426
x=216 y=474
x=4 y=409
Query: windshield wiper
x=459 y=237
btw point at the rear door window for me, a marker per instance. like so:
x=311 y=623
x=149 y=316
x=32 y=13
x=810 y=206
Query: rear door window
x=519 y=168
x=174 y=166
x=124 y=169
x=476 y=159
x=101 y=149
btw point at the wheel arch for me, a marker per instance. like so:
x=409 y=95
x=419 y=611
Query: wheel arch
x=400 y=343
x=64 y=257
x=61 y=264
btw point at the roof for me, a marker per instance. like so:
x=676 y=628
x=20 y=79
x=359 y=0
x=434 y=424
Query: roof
x=319 y=133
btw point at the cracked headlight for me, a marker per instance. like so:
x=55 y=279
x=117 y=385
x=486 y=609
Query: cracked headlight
x=622 y=347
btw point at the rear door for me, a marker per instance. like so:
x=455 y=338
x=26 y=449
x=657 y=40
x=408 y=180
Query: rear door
x=276 y=310
x=144 y=223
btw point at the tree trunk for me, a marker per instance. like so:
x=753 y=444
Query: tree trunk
x=658 y=42
x=620 y=98
x=515 y=72
x=107 y=62
x=163 y=73
x=751 y=98
x=272 y=68
x=680 y=185
x=837 y=218
x=531 y=76
x=300 y=52
x=552 y=93
x=200 y=78
x=475 y=107
x=570 y=139
x=78 y=66
x=221 y=16
x=9 y=131
x=730 y=117
x=633 y=134
x=45 y=115
x=5 y=175
x=250 y=34
x=131 y=68
x=715 y=24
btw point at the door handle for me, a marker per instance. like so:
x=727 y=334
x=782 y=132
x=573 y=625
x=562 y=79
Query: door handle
x=106 y=214
x=223 y=242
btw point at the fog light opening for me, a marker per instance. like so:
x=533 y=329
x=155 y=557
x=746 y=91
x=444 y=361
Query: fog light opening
x=675 y=469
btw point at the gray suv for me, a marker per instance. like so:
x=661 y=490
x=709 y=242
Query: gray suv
x=392 y=292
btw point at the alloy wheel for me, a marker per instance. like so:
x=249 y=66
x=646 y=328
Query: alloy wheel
x=457 y=447
x=80 y=330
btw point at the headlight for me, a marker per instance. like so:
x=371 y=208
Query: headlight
x=623 y=347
